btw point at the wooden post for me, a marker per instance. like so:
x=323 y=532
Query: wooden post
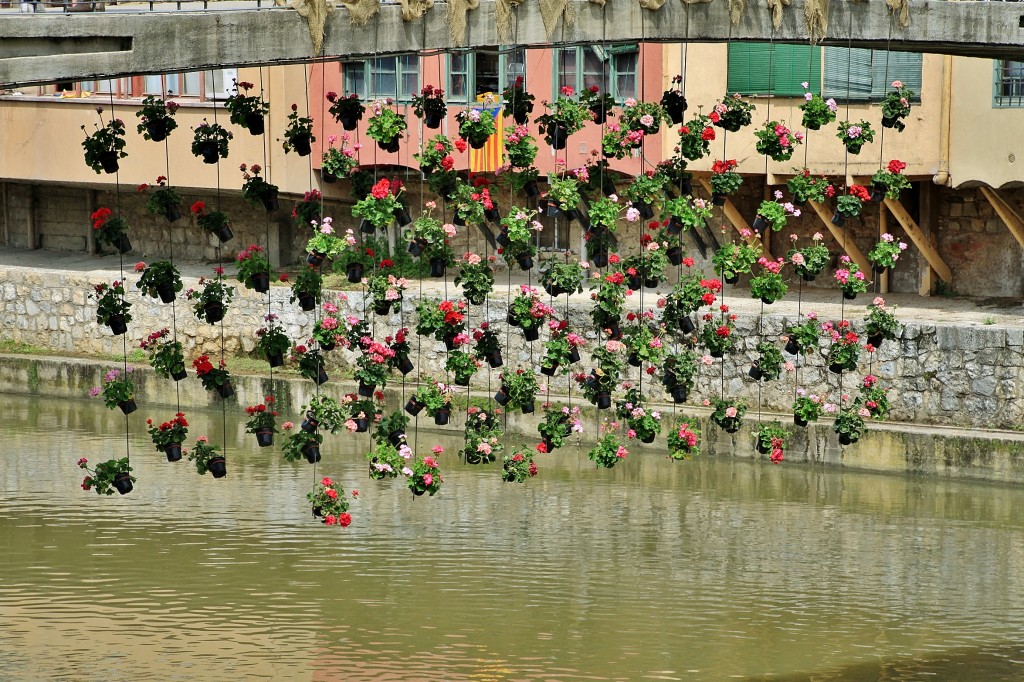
x=920 y=240
x=1006 y=213
x=90 y=207
x=925 y=212
x=883 y=227
x=31 y=219
x=840 y=235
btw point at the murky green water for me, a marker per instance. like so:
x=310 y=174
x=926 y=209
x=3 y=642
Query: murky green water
x=708 y=570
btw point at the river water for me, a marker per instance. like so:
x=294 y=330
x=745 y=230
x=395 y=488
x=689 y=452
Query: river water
x=704 y=570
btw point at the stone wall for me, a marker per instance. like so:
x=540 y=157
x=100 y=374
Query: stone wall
x=939 y=373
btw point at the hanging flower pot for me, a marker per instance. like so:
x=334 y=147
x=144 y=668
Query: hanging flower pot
x=492 y=215
x=532 y=189
x=633 y=360
x=635 y=282
x=838 y=220
x=413 y=406
x=225 y=390
x=647 y=438
x=651 y=283
x=792 y=346
x=224 y=234
x=716 y=353
x=391 y=146
x=686 y=326
x=600 y=258
x=396 y=437
x=328 y=345
x=732 y=279
x=876 y=340
x=531 y=333
x=512 y=320
x=449 y=341
x=366 y=227
x=835 y=368
x=755 y=373
x=349 y=121
x=260 y=282
x=441 y=416
x=549 y=370
x=402 y=216
x=328 y=177
x=117 y=324
x=404 y=365
x=846 y=439
x=558 y=135
x=179 y=375
x=525 y=261
x=604 y=400
x=210 y=151
x=270 y=202
x=302 y=144
x=600 y=113
x=574 y=355
x=759 y=224
x=362 y=425
x=808 y=277
x=157 y=129
x=321 y=376
x=315 y=258
x=128 y=406
x=849 y=295
x=276 y=359
x=432 y=119
x=674 y=227
x=124 y=245
x=307 y=302
x=798 y=421
x=718 y=199
x=502 y=397
x=173 y=452
x=366 y=390
x=549 y=445
x=109 y=162
x=495 y=360
x=382 y=308
x=354 y=272
x=416 y=248
x=264 y=437
x=311 y=451
x=213 y=312
x=166 y=292
x=123 y=483
x=255 y=123
x=172 y=213
x=679 y=393
x=310 y=423
x=502 y=238
x=437 y=267
x=646 y=212
x=528 y=408
x=217 y=467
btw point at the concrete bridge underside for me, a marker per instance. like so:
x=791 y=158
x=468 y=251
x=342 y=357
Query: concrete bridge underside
x=50 y=47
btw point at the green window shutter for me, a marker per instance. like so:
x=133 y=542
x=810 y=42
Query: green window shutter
x=847 y=73
x=790 y=65
x=901 y=66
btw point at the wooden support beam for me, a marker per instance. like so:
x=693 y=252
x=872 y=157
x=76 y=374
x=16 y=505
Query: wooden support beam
x=734 y=216
x=840 y=235
x=1006 y=213
x=920 y=240
x=883 y=227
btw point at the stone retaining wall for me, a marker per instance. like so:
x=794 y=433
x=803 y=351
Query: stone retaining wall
x=970 y=376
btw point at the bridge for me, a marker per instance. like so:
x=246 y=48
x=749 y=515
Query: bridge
x=133 y=39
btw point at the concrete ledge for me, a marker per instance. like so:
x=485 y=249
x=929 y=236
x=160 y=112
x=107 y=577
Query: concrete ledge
x=35 y=47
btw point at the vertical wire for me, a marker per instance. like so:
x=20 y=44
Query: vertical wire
x=223 y=401
x=120 y=267
x=170 y=234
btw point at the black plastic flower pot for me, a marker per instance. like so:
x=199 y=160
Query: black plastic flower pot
x=502 y=237
x=123 y=245
x=362 y=425
x=675 y=255
x=679 y=394
x=511 y=319
x=759 y=224
x=845 y=439
x=382 y=308
x=413 y=406
x=254 y=123
x=715 y=353
x=328 y=177
x=396 y=437
x=718 y=199
x=877 y=192
x=210 y=152
x=494 y=360
x=449 y=341
x=441 y=416
x=224 y=234
x=520 y=117
x=172 y=213
x=260 y=282
x=157 y=130
x=808 y=277
x=849 y=295
x=574 y=355
x=633 y=360
x=117 y=324
x=525 y=262
x=270 y=202
x=366 y=390
x=264 y=437
x=354 y=273
x=415 y=248
x=798 y=421
x=600 y=115
x=404 y=365
x=328 y=345
x=755 y=373
x=501 y=397
x=310 y=423
x=531 y=333
x=128 y=406
x=570 y=215
x=549 y=445
x=604 y=400
x=109 y=162
x=302 y=144
x=402 y=216
x=600 y=258
x=218 y=467
x=646 y=212
x=651 y=283
x=432 y=120
x=366 y=227
x=315 y=258
x=549 y=370
x=349 y=121
x=166 y=292
x=123 y=483
x=835 y=368
x=462 y=379
x=732 y=279
x=762 y=448
x=635 y=282
x=793 y=347
x=321 y=376
x=493 y=215
x=876 y=340
x=179 y=375
x=225 y=390
x=732 y=427
x=173 y=452
x=213 y=312
x=686 y=326
x=391 y=146
x=558 y=136
x=437 y=267
x=307 y=302
x=528 y=408
x=531 y=189
x=838 y=220
x=311 y=451
x=647 y=438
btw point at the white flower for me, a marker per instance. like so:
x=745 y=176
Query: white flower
x=632 y=214
x=805 y=85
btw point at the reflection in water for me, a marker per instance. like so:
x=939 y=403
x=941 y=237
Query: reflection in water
x=703 y=570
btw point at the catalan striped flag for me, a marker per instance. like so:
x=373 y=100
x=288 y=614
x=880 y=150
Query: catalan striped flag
x=488 y=158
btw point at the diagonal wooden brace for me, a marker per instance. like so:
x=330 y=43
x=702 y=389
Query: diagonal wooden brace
x=844 y=240
x=1009 y=217
x=920 y=241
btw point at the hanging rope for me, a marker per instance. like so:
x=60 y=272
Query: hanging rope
x=220 y=276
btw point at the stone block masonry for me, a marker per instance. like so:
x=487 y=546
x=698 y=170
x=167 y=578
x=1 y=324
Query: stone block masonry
x=954 y=373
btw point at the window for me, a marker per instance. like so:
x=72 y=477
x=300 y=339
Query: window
x=214 y=84
x=613 y=68
x=555 y=235
x=773 y=69
x=1009 y=83
x=471 y=74
x=396 y=77
x=860 y=74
